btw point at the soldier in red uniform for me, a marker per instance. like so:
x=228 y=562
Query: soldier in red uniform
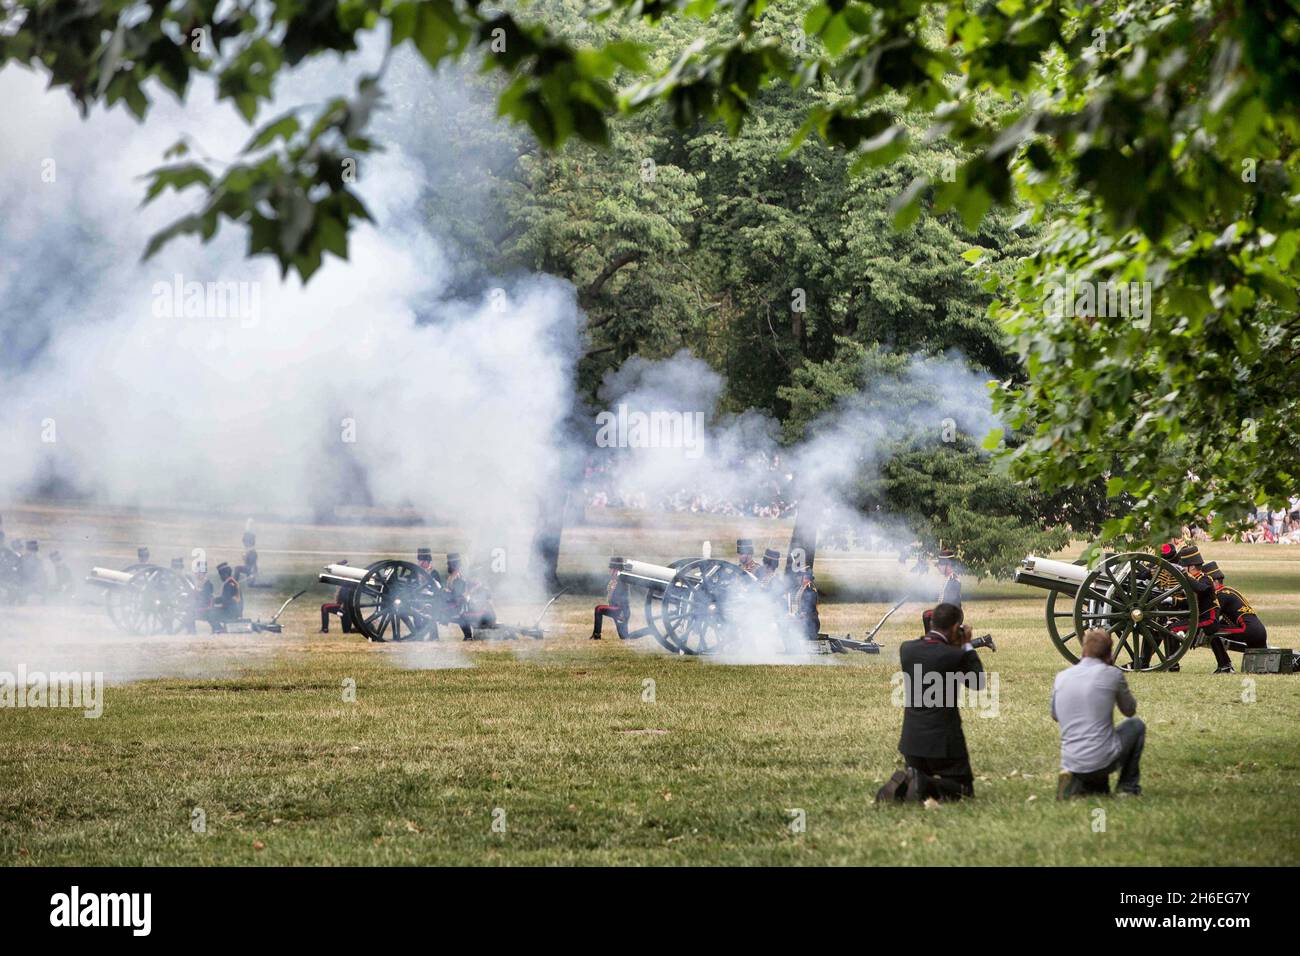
x=618 y=604
x=341 y=605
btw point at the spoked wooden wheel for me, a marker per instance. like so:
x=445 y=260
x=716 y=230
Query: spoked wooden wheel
x=392 y=602
x=1060 y=626
x=694 y=607
x=1146 y=604
x=155 y=601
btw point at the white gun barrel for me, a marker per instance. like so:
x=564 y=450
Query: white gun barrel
x=107 y=577
x=341 y=574
x=645 y=573
x=1051 y=575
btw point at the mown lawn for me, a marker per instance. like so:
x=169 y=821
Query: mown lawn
x=558 y=744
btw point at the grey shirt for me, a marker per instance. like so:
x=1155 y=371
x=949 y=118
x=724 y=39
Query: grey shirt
x=1083 y=702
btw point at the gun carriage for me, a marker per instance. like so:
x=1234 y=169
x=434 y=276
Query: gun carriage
x=394 y=600
x=145 y=598
x=697 y=605
x=1146 y=603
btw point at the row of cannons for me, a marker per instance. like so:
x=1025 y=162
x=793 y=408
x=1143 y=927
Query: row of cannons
x=701 y=606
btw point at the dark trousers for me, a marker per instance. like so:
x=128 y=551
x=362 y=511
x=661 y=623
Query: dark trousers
x=612 y=611
x=335 y=608
x=1132 y=739
x=944 y=778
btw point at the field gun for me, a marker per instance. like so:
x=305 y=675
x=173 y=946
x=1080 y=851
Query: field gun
x=146 y=599
x=394 y=600
x=697 y=606
x=1147 y=604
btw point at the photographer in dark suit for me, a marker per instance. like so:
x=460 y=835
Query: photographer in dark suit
x=933 y=744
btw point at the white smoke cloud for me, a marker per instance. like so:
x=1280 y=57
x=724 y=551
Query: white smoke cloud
x=447 y=407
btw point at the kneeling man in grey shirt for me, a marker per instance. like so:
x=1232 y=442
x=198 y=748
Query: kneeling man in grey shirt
x=1092 y=748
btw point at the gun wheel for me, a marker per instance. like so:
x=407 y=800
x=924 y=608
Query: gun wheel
x=694 y=606
x=1145 y=603
x=392 y=602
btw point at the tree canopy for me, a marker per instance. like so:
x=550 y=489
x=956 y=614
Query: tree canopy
x=1148 y=142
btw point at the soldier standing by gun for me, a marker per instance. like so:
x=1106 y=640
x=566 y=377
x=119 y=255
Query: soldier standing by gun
x=618 y=603
x=952 y=582
x=745 y=556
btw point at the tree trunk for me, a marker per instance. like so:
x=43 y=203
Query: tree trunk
x=807 y=522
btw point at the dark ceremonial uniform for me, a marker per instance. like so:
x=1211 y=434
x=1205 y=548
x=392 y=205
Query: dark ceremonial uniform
x=1238 y=621
x=203 y=594
x=745 y=557
x=467 y=602
x=229 y=603
x=951 y=590
x=803 y=608
x=341 y=606
x=951 y=593
x=248 y=570
x=932 y=741
x=618 y=603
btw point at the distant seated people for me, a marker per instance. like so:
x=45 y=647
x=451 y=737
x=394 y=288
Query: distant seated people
x=63 y=583
x=1084 y=699
x=618 y=603
x=340 y=605
x=933 y=744
x=31 y=573
x=228 y=605
x=247 y=572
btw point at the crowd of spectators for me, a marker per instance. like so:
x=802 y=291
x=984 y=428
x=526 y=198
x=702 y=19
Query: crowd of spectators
x=1275 y=527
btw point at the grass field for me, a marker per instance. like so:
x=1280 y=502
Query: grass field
x=550 y=752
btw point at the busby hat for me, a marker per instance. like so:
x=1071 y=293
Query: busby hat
x=771 y=557
x=453 y=560
x=1190 y=556
x=1209 y=567
x=142 y=555
x=616 y=563
x=744 y=546
x=947 y=554
x=1169 y=551
x=250 y=539
x=424 y=554
x=223 y=569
